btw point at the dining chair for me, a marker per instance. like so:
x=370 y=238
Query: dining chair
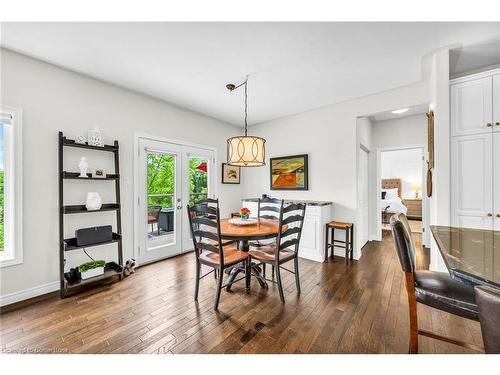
x=153 y=217
x=286 y=247
x=434 y=289
x=488 y=303
x=204 y=220
x=268 y=208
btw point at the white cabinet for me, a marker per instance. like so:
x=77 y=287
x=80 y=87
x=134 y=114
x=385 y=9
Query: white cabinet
x=496 y=103
x=496 y=182
x=312 y=241
x=472 y=184
x=471 y=106
x=475 y=151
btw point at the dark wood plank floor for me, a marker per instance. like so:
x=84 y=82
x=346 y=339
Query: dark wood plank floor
x=360 y=308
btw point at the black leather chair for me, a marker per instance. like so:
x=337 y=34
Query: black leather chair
x=488 y=302
x=434 y=289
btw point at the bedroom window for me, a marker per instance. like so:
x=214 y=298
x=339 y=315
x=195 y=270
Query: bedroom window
x=10 y=187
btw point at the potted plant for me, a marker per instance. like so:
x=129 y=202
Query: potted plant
x=91 y=269
x=245 y=213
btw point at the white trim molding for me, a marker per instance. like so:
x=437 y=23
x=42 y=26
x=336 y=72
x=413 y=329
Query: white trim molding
x=25 y=294
x=13 y=190
x=137 y=190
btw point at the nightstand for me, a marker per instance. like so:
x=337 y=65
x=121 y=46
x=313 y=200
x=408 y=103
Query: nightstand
x=414 y=208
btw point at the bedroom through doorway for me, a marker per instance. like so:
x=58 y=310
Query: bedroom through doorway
x=401 y=172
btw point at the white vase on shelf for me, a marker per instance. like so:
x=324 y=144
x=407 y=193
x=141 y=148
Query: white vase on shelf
x=83 y=165
x=95 y=138
x=94 y=201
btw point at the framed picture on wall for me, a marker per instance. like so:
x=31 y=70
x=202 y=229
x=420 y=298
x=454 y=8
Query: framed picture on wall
x=230 y=174
x=289 y=172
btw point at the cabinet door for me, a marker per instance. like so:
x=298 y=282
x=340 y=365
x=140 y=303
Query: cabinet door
x=496 y=103
x=496 y=177
x=471 y=107
x=472 y=181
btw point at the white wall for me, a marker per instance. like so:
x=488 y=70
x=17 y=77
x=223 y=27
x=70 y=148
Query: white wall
x=404 y=164
x=440 y=102
x=329 y=136
x=404 y=131
x=54 y=99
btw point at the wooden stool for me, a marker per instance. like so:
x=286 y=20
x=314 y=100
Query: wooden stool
x=349 y=235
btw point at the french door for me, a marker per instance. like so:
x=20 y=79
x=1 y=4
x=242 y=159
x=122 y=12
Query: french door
x=170 y=176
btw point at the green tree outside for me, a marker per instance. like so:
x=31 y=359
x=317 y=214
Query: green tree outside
x=161 y=188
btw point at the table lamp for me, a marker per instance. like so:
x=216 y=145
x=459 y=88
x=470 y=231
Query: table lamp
x=417 y=186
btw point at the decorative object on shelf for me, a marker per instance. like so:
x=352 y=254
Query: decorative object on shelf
x=289 y=173
x=99 y=173
x=94 y=201
x=80 y=139
x=230 y=174
x=83 y=165
x=246 y=150
x=244 y=213
x=92 y=269
x=129 y=268
x=95 y=138
x=417 y=186
x=73 y=276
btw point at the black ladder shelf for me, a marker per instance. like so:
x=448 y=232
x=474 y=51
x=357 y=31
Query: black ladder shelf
x=69 y=244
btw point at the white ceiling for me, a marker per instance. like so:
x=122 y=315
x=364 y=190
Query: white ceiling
x=293 y=67
x=388 y=115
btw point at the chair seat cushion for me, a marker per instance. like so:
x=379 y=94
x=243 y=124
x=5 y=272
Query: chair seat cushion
x=231 y=256
x=339 y=225
x=439 y=290
x=268 y=253
x=151 y=218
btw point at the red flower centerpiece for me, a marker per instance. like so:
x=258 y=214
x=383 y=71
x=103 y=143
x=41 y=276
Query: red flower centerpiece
x=245 y=213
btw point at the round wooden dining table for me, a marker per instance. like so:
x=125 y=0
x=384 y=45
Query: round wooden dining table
x=262 y=229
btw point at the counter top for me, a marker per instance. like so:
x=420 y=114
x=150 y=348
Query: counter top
x=290 y=201
x=472 y=255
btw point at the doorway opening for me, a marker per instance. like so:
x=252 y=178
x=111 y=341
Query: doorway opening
x=169 y=175
x=401 y=184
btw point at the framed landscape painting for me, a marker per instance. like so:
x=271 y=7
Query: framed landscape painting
x=289 y=173
x=230 y=174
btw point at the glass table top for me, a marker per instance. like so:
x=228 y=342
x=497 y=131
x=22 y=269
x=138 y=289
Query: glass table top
x=471 y=254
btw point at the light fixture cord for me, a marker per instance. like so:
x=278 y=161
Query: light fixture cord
x=246 y=106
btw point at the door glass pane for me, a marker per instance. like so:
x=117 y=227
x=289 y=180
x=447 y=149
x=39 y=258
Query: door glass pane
x=160 y=198
x=198 y=179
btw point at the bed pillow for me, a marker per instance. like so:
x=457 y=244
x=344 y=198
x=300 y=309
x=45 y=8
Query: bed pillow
x=391 y=193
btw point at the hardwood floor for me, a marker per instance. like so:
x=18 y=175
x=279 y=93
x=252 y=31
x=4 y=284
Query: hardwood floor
x=361 y=308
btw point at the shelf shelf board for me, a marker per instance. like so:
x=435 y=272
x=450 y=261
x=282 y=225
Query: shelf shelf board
x=81 y=209
x=72 y=143
x=71 y=242
x=111 y=269
x=76 y=176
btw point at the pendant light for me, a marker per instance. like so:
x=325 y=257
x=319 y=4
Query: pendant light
x=246 y=150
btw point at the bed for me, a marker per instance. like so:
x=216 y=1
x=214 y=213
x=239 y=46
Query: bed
x=390 y=202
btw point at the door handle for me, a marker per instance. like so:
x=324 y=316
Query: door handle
x=489 y=125
x=490 y=215
x=498 y=215
x=497 y=123
x=179 y=207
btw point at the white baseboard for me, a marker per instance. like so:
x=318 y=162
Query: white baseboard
x=22 y=295
x=310 y=256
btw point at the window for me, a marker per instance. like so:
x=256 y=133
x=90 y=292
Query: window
x=10 y=187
